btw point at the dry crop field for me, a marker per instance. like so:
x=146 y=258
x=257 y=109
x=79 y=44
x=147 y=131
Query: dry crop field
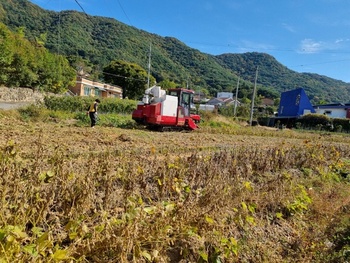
x=76 y=194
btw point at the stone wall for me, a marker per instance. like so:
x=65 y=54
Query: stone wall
x=20 y=95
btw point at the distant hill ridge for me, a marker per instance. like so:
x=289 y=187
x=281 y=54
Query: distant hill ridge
x=100 y=40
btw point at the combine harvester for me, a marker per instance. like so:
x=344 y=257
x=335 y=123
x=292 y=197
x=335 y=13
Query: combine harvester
x=160 y=111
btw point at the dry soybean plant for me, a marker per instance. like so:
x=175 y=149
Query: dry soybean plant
x=216 y=204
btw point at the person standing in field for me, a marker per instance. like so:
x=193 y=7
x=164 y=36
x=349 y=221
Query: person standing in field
x=92 y=112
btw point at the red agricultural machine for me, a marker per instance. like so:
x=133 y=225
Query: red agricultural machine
x=161 y=111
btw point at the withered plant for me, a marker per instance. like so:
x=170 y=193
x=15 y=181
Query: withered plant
x=70 y=194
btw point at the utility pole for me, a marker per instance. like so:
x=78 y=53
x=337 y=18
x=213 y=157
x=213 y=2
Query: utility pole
x=253 y=97
x=187 y=83
x=235 y=108
x=149 y=65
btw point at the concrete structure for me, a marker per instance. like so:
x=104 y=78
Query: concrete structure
x=225 y=95
x=207 y=107
x=222 y=102
x=338 y=110
x=86 y=87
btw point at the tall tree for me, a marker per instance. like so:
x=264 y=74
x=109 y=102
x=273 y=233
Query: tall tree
x=131 y=77
x=24 y=64
x=167 y=84
x=5 y=54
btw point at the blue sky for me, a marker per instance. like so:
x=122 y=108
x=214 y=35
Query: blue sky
x=304 y=35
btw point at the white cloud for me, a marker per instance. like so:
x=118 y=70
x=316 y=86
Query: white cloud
x=289 y=27
x=342 y=40
x=310 y=46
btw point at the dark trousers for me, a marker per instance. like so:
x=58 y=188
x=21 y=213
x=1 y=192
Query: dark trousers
x=93 y=118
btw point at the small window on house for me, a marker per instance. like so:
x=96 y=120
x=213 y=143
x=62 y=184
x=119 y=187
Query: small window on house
x=328 y=112
x=98 y=92
x=87 y=91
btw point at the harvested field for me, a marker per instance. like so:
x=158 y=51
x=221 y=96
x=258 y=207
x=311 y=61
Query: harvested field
x=77 y=194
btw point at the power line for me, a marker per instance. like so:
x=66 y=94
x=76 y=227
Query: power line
x=324 y=62
x=80 y=6
x=124 y=77
x=121 y=7
x=131 y=24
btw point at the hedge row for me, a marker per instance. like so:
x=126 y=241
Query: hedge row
x=341 y=125
x=323 y=122
x=81 y=104
x=310 y=122
x=314 y=120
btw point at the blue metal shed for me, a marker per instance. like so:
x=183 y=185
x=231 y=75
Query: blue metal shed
x=294 y=103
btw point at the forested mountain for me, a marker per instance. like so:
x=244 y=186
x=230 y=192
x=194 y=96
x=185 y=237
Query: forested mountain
x=93 y=42
x=274 y=74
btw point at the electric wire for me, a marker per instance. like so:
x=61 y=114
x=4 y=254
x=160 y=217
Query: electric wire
x=237 y=46
x=320 y=63
x=124 y=77
x=127 y=17
x=80 y=6
x=131 y=24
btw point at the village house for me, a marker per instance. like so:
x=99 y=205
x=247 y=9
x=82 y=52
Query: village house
x=337 y=110
x=223 y=99
x=86 y=87
x=199 y=97
x=267 y=102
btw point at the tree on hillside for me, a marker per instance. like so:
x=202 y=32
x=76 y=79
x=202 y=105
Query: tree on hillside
x=131 y=77
x=167 y=84
x=24 y=64
x=5 y=54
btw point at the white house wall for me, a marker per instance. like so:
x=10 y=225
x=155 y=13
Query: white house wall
x=332 y=113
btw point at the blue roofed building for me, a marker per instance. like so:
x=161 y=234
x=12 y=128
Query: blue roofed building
x=294 y=104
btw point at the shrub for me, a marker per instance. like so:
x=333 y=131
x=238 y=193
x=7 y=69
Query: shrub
x=111 y=105
x=207 y=115
x=339 y=128
x=344 y=123
x=264 y=121
x=117 y=121
x=81 y=104
x=227 y=110
x=31 y=112
x=107 y=120
x=315 y=121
